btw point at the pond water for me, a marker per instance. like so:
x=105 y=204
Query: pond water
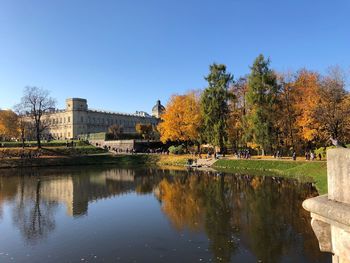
x=106 y=214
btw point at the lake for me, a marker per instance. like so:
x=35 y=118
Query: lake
x=107 y=214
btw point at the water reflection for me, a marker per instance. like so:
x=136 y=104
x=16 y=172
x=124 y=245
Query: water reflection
x=32 y=213
x=240 y=215
x=263 y=213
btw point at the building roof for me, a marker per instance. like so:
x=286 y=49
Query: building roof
x=158 y=107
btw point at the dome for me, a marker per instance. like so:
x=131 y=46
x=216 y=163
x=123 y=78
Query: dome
x=158 y=109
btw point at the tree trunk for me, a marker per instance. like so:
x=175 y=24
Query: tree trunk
x=198 y=147
x=22 y=141
x=38 y=136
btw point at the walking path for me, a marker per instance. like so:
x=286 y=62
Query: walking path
x=206 y=162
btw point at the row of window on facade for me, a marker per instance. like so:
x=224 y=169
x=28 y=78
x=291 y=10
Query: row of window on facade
x=60 y=135
x=100 y=121
x=58 y=120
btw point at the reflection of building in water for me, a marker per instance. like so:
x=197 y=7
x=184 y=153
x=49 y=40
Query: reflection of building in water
x=76 y=191
x=60 y=190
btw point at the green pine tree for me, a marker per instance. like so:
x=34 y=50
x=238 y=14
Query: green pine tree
x=214 y=106
x=262 y=96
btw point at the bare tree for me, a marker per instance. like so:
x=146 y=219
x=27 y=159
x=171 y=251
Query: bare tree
x=36 y=102
x=22 y=123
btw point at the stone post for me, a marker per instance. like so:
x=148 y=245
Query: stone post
x=331 y=213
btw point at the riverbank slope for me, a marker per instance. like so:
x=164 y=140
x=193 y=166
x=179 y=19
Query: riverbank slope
x=305 y=171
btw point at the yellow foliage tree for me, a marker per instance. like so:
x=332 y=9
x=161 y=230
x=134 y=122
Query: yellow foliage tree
x=181 y=119
x=145 y=130
x=8 y=124
x=307 y=96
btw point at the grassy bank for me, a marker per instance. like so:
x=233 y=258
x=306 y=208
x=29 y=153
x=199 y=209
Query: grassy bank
x=120 y=160
x=89 y=155
x=304 y=171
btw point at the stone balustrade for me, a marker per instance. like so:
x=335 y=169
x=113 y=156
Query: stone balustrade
x=331 y=213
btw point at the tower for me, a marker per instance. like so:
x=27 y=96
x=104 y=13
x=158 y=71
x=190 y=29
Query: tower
x=158 y=109
x=76 y=110
x=76 y=104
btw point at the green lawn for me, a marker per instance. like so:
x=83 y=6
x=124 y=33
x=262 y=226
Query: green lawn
x=315 y=171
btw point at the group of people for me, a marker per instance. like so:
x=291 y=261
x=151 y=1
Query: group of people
x=29 y=155
x=21 y=155
x=71 y=144
x=133 y=151
x=311 y=156
x=158 y=151
x=243 y=154
x=277 y=154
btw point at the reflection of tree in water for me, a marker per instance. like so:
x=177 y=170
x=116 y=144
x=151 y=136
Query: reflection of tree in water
x=264 y=214
x=8 y=190
x=220 y=230
x=277 y=223
x=32 y=215
x=198 y=202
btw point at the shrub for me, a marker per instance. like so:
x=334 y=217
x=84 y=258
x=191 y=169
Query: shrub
x=180 y=149
x=323 y=150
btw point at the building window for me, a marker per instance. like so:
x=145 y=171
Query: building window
x=68 y=119
x=82 y=119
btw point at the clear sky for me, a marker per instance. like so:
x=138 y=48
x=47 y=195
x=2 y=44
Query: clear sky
x=123 y=55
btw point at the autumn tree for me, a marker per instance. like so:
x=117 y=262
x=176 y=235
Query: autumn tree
x=214 y=106
x=262 y=96
x=36 y=102
x=307 y=96
x=115 y=131
x=332 y=112
x=8 y=124
x=145 y=130
x=237 y=112
x=22 y=123
x=181 y=119
x=287 y=113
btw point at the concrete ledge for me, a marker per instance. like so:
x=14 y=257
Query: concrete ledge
x=329 y=210
x=338 y=170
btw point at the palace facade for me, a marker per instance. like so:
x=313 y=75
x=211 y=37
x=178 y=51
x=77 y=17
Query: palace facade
x=77 y=119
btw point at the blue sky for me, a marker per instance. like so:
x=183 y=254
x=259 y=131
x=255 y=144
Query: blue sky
x=124 y=55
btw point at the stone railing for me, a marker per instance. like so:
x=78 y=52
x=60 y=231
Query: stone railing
x=331 y=213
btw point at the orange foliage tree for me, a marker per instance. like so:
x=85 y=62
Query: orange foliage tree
x=8 y=124
x=181 y=120
x=307 y=97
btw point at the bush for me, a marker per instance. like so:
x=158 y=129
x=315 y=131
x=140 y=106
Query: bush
x=323 y=150
x=180 y=149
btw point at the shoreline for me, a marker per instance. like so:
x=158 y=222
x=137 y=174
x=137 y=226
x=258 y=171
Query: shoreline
x=311 y=172
x=97 y=159
x=304 y=171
